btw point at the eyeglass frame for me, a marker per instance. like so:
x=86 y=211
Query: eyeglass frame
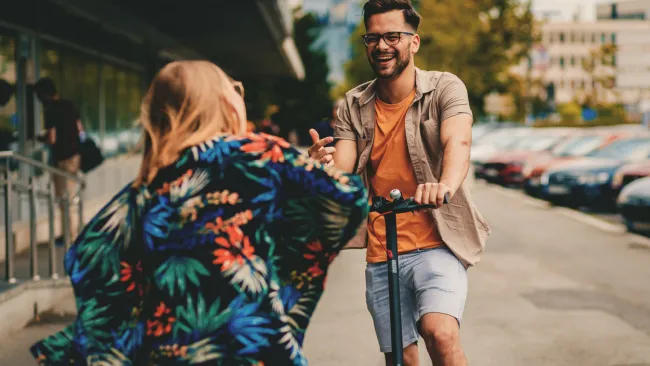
x=383 y=35
x=239 y=87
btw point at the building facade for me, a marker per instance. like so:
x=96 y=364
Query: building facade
x=102 y=54
x=627 y=9
x=562 y=60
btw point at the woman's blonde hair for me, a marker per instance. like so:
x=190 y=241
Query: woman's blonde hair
x=187 y=103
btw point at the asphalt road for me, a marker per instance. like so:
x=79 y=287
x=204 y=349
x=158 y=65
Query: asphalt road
x=551 y=289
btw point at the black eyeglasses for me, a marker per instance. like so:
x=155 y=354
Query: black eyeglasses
x=239 y=87
x=391 y=38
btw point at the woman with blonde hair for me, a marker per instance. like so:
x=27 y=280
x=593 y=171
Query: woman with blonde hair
x=217 y=253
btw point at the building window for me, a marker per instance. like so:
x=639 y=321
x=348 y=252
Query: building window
x=593 y=38
x=613 y=38
x=561 y=37
x=573 y=61
x=561 y=83
x=562 y=61
x=573 y=84
x=573 y=37
x=8 y=117
x=603 y=38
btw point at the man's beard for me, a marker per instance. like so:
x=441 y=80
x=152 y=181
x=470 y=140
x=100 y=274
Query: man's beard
x=399 y=64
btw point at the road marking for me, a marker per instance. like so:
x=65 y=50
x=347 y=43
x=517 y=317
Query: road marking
x=592 y=221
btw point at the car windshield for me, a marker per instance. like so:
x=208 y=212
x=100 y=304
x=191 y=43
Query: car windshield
x=632 y=149
x=534 y=143
x=501 y=139
x=581 y=146
x=543 y=143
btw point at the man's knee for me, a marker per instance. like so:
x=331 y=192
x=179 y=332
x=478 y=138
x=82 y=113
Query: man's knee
x=440 y=329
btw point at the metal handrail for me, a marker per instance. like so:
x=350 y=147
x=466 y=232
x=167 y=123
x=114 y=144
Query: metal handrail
x=16 y=186
x=40 y=165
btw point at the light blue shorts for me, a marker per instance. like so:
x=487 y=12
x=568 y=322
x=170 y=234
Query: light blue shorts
x=431 y=281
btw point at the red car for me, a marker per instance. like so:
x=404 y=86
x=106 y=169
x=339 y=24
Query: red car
x=507 y=167
x=576 y=147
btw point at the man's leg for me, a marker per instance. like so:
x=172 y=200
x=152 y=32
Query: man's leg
x=440 y=282
x=442 y=337
x=69 y=186
x=411 y=356
x=378 y=304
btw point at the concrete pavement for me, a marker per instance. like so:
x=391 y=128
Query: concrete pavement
x=550 y=290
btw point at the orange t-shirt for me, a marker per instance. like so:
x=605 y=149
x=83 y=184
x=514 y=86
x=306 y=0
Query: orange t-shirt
x=390 y=167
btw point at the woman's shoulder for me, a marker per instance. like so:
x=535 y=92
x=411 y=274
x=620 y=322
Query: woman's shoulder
x=261 y=146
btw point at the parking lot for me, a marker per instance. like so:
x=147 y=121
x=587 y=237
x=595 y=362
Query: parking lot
x=601 y=172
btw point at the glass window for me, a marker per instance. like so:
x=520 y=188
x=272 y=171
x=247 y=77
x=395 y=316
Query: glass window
x=8 y=118
x=51 y=63
x=122 y=100
x=135 y=98
x=89 y=108
x=109 y=77
x=123 y=115
x=613 y=38
x=630 y=149
x=71 y=83
x=561 y=37
x=562 y=61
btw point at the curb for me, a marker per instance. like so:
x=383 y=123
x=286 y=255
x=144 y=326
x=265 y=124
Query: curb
x=635 y=240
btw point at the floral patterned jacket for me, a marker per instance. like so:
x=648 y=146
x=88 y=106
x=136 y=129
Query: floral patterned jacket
x=221 y=260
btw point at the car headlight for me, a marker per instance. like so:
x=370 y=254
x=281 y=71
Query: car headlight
x=617 y=180
x=623 y=197
x=544 y=179
x=598 y=178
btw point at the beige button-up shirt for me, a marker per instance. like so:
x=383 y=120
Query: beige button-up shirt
x=438 y=96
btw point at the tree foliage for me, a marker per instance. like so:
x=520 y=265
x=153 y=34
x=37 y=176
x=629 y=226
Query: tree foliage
x=477 y=40
x=600 y=67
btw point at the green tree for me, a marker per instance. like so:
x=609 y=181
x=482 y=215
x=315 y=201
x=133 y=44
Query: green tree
x=477 y=40
x=600 y=66
x=570 y=112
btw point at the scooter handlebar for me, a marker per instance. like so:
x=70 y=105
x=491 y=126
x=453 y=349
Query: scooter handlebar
x=382 y=205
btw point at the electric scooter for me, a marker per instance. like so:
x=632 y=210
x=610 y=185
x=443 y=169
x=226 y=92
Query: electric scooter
x=389 y=210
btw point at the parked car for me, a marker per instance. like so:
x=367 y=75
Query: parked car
x=492 y=143
x=576 y=147
x=587 y=181
x=634 y=205
x=629 y=173
x=506 y=167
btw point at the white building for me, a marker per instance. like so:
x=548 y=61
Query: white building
x=558 y=60
x=630 y=9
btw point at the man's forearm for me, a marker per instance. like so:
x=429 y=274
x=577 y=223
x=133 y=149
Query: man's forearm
x=455 y=164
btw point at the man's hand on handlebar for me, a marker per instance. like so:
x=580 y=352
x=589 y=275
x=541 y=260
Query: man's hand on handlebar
x=432 y=193
x=318 y=151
